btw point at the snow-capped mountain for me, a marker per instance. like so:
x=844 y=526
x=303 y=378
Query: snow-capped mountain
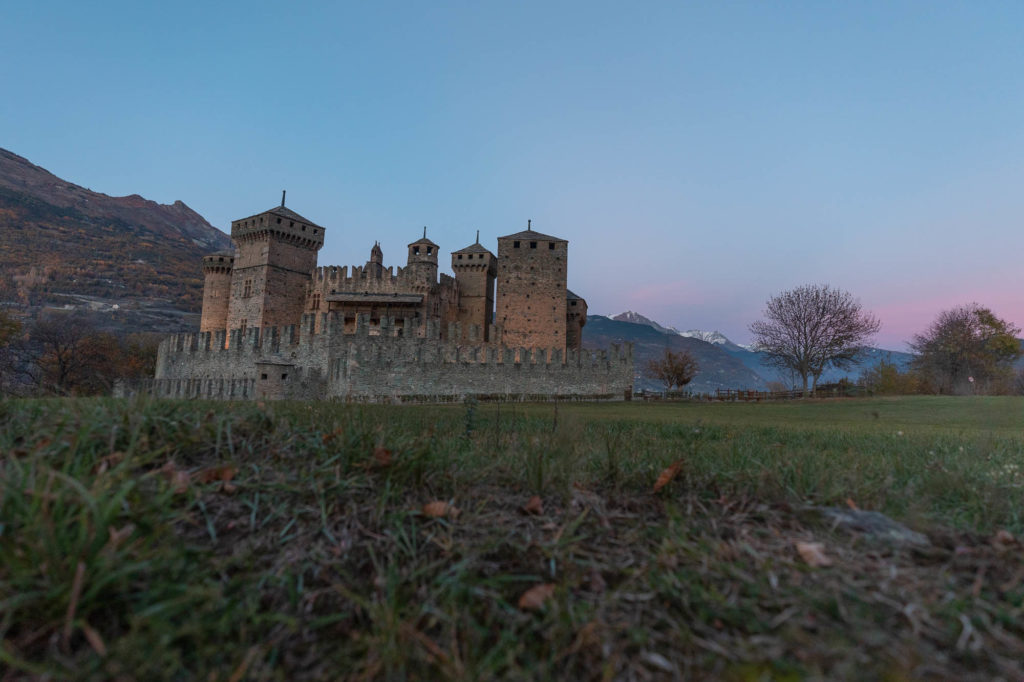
x=715 y=337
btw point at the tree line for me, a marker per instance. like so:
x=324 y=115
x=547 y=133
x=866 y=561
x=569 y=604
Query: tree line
x=806 y=330
x=66 y=354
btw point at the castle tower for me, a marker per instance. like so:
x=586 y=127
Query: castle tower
x=375 y=266
x=422 y=264
x=275 y=260
x=216 y=290
x=475 y=269
x=531 y=301
x=575 y=319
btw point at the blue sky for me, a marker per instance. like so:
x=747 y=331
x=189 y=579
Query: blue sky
x=700 y=157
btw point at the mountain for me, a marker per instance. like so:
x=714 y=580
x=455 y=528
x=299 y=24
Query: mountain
x=723 y=364
x=716 y=338
x=62 y=245
x=718 y=369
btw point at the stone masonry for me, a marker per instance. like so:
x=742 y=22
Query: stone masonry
x=274 y=325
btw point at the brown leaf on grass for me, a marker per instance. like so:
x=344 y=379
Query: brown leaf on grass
x=178 y=479
x=224 y=472
x=666 y=476
x=1002 y=540
x=94 y=639
x=439 y=508
x=536 y=596
x=328 y=437
x=381 y=458
x=107 y=462
x=851 y=504
x=116 y=537
x=535 y=507
x=813 y=553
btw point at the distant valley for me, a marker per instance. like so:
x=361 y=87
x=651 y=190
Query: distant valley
x=723 y=364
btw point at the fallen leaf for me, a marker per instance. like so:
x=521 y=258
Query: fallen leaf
x=177 y=479
x=94 y=639
x=439 y=508
x=119 y=536
x=381 y=458
x=1003 y=539
x=328 y=437
x=851 y=504
x=666 y=476
x=534 y=598
x=229 y=488
x=534 y=507
x=224 y=472
x=813 y=553
x=107 y=462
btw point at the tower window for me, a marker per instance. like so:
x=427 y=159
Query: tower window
x=291 y=223
x=247 y=290
x=415 y=250
x=515 y=245
x=551 y=246
x=278 y=221
x=429 y=250
x=460 y=257
x=533 y=245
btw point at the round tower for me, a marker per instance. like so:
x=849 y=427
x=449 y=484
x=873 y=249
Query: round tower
x=475 y=269
x=216 y=290
x=422 y=263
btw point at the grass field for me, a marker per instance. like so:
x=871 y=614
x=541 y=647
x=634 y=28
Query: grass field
x=188 y=540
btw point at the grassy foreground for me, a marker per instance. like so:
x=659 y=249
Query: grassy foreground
x=185 y=540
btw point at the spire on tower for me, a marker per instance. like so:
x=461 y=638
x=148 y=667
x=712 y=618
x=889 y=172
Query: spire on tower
x=283 y=192
x=528 y=227
x=478 y=236
x=424 y=231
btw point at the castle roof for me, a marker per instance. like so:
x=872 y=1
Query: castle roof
x=423 y=240
x=284 y=212
x=473 y=248
x=569 y=296
x=533 y=234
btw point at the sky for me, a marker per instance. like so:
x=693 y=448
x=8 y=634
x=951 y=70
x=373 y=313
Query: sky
x=700 y=157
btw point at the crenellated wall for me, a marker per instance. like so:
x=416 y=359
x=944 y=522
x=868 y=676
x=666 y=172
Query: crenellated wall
x=297 y=362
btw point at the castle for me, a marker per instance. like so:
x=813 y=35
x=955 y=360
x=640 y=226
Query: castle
x=276 y=326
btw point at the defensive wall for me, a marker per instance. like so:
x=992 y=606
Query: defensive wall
x=380 y=364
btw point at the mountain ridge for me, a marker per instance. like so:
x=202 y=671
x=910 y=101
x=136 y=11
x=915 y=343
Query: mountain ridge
x=65 y=246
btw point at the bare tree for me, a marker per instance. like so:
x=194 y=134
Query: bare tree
x=812 y=327
x=71 y=356
x=10 y=332
x=673 y=369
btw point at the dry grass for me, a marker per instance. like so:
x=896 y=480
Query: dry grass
x=189 y=540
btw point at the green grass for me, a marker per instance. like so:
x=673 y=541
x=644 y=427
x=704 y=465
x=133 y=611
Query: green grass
x=124 y=553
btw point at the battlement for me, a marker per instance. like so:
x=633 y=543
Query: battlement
x=383 y=361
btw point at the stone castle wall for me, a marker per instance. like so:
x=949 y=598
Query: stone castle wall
x=295 y=362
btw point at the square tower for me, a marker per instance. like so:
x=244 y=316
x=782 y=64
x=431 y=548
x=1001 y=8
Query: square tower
x=475 y=270
x=532 y=290
x=274 y=262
